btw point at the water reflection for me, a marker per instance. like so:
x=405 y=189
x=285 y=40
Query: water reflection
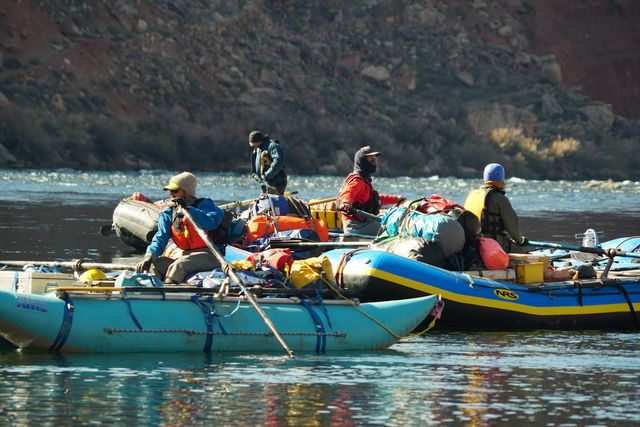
x=472 y=378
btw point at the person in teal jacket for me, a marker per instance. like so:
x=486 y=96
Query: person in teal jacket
x=195 y=255
x=268 y=163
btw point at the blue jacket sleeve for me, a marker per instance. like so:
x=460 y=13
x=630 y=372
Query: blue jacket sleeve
x=162 y=236
x=207 y=214
x=276 y=152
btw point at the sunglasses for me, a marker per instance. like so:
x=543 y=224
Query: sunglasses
x=175 y=191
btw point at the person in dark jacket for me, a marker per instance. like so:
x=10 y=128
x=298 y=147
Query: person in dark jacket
x=357 y=192
x=195 y=255
x=498 y=220
x=268 y=163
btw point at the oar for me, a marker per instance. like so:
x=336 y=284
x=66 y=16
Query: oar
x=365 y=214
x=246 y=203
x=107 y=230
x=293 y=243
x=76 y=265
x=356 y=235
x=611 y=252
x=228 y=268
x=320 y=201
x=237 y=204
x=204 y=291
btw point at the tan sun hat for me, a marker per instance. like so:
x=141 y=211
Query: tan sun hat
x=185 y=181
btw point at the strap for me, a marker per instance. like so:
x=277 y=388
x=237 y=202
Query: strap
x=629 y=303
x=318 y=298
x=341 y=266
x=579 y=294
x=209 y=312
x=65 y=326
x=209 y=315
x=321 y=336
x=133 y=316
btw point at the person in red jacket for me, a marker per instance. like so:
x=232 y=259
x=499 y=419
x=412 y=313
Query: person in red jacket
x=357 y=192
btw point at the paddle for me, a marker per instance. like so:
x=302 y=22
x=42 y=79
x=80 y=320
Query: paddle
x=107 y=230
x=611 y=252
x=75 y=265
x=228 y=268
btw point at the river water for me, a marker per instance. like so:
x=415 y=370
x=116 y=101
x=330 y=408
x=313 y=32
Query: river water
x=484 y=378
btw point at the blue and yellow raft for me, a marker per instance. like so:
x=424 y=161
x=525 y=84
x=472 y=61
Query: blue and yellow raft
x=484 y=303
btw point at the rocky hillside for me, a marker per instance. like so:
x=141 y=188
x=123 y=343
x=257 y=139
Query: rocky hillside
x=547 y=88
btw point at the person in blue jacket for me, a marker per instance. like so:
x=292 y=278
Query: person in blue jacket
x=195 y=255
x=268 y=163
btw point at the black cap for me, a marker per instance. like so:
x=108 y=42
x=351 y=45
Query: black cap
x=256 y=136
x=368 y=151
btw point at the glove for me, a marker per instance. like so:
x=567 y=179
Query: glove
x=345 y=207
x=146 y=263
x=179 y=201
x=524 y=241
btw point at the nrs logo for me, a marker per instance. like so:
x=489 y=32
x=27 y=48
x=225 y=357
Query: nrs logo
x=505 y=294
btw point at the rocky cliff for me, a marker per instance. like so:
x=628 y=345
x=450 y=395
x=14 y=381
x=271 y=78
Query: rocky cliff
x=547 y=88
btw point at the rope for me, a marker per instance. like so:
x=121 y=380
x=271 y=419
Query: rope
x=131 y=313
x=382 y=325
x=192 y=332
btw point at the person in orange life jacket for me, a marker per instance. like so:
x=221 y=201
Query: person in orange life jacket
x=268 y=163
x=499 y=221
x=357 y=192
x=171 y=224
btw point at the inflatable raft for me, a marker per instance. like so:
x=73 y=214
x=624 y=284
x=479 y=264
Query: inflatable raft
x=135 y=222
x=157 y=320
x=493 y=299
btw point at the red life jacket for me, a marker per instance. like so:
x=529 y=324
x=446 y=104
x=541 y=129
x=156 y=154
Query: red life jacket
x=188 y=238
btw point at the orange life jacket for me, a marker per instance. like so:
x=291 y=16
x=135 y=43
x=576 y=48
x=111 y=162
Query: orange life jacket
x=188 y=238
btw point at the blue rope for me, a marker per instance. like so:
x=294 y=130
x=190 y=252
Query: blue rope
x=321 y=338
x=133 y=316
x=320 y=301
x=65 y=326
x=209 y=316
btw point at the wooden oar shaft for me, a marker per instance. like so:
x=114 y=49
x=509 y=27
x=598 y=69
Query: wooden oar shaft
x=237 y=204
x=241 y=204
x=196 y=290
x=234 y=277
x=76 y=265
x=610 y=252
x=367 y=215
x=295 y=244
x=320 y=201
